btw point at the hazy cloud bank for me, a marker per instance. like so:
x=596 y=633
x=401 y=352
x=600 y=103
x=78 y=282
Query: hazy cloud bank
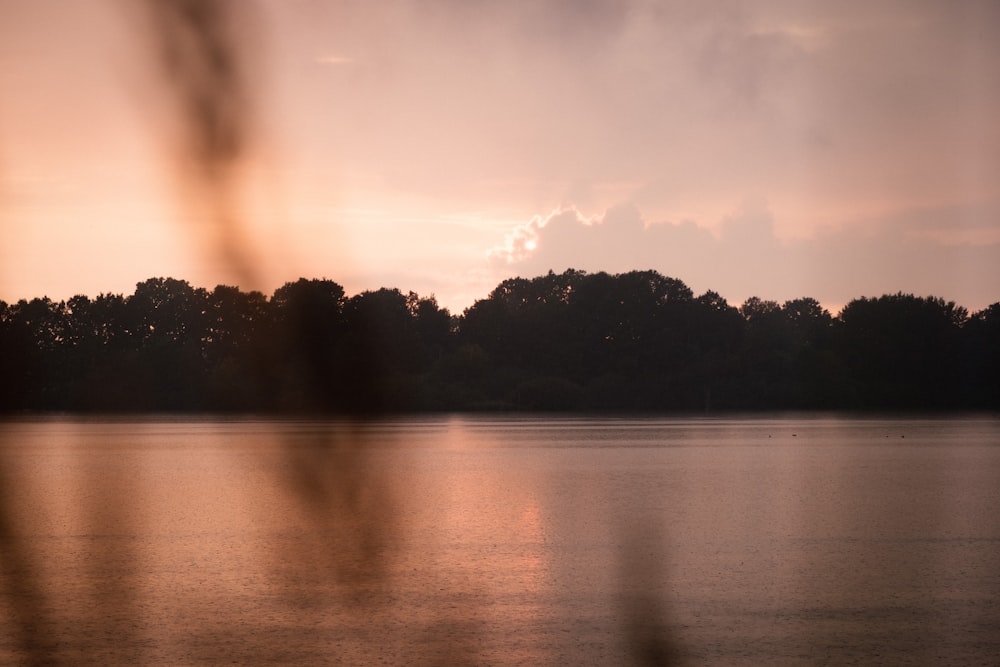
x=744 y=257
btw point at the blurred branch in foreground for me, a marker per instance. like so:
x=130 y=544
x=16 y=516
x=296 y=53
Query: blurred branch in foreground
x=349 y=526
x=204 y=56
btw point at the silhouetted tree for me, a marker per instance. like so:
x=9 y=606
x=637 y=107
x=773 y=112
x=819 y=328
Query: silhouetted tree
x=235 y=350
x=307 y=325
x=381 y=351
x=569 y=341
x=105 y=357
x=15 y=347
x=980 y=365
x=901 y=351
x=713 y=344
x=819 y=378
x=167 y=323
x=34 y=351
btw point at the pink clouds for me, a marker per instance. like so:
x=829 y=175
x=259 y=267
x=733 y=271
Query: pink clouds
x=745 y=257
x=823 y=148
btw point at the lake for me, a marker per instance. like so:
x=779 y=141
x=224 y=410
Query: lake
x=500 y=541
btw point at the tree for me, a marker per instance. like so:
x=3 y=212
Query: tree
x=631 y=341
x=980 y=350
x=238 y=362
x=901 y=351
x=434 y=325
x=712 y=345
x=767 y=356
x=34 y=347
x=233 y=318
x=391 y=342
x=166 y=310
x=167 y=324
x=308 y=323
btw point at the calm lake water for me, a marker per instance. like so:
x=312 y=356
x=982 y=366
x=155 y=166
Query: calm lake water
x=813 y=540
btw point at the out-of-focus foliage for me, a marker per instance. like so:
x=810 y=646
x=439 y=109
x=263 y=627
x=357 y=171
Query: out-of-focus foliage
x=568 y=342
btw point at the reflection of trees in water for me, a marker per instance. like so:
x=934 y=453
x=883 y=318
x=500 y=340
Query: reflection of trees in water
x=203 y=47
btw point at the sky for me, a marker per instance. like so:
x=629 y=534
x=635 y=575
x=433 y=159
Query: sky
x=775 y=149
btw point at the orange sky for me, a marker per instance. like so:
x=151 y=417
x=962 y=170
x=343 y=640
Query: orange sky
x=779 y=149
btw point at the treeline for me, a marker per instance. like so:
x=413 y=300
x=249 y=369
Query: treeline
x=637 y=341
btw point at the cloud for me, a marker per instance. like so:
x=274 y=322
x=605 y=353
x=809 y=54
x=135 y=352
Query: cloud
x=841 y=104
x=861 y=137
x=745 y=258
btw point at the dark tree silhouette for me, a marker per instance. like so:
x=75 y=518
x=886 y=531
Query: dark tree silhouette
x=901 y=351
x=566 y=342
x=980 y=359
x=236 y=325
x=168 y=324
x=818 y=376
x=307 y=324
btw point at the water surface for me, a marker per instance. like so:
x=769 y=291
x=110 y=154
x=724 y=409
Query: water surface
x=811 y=540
